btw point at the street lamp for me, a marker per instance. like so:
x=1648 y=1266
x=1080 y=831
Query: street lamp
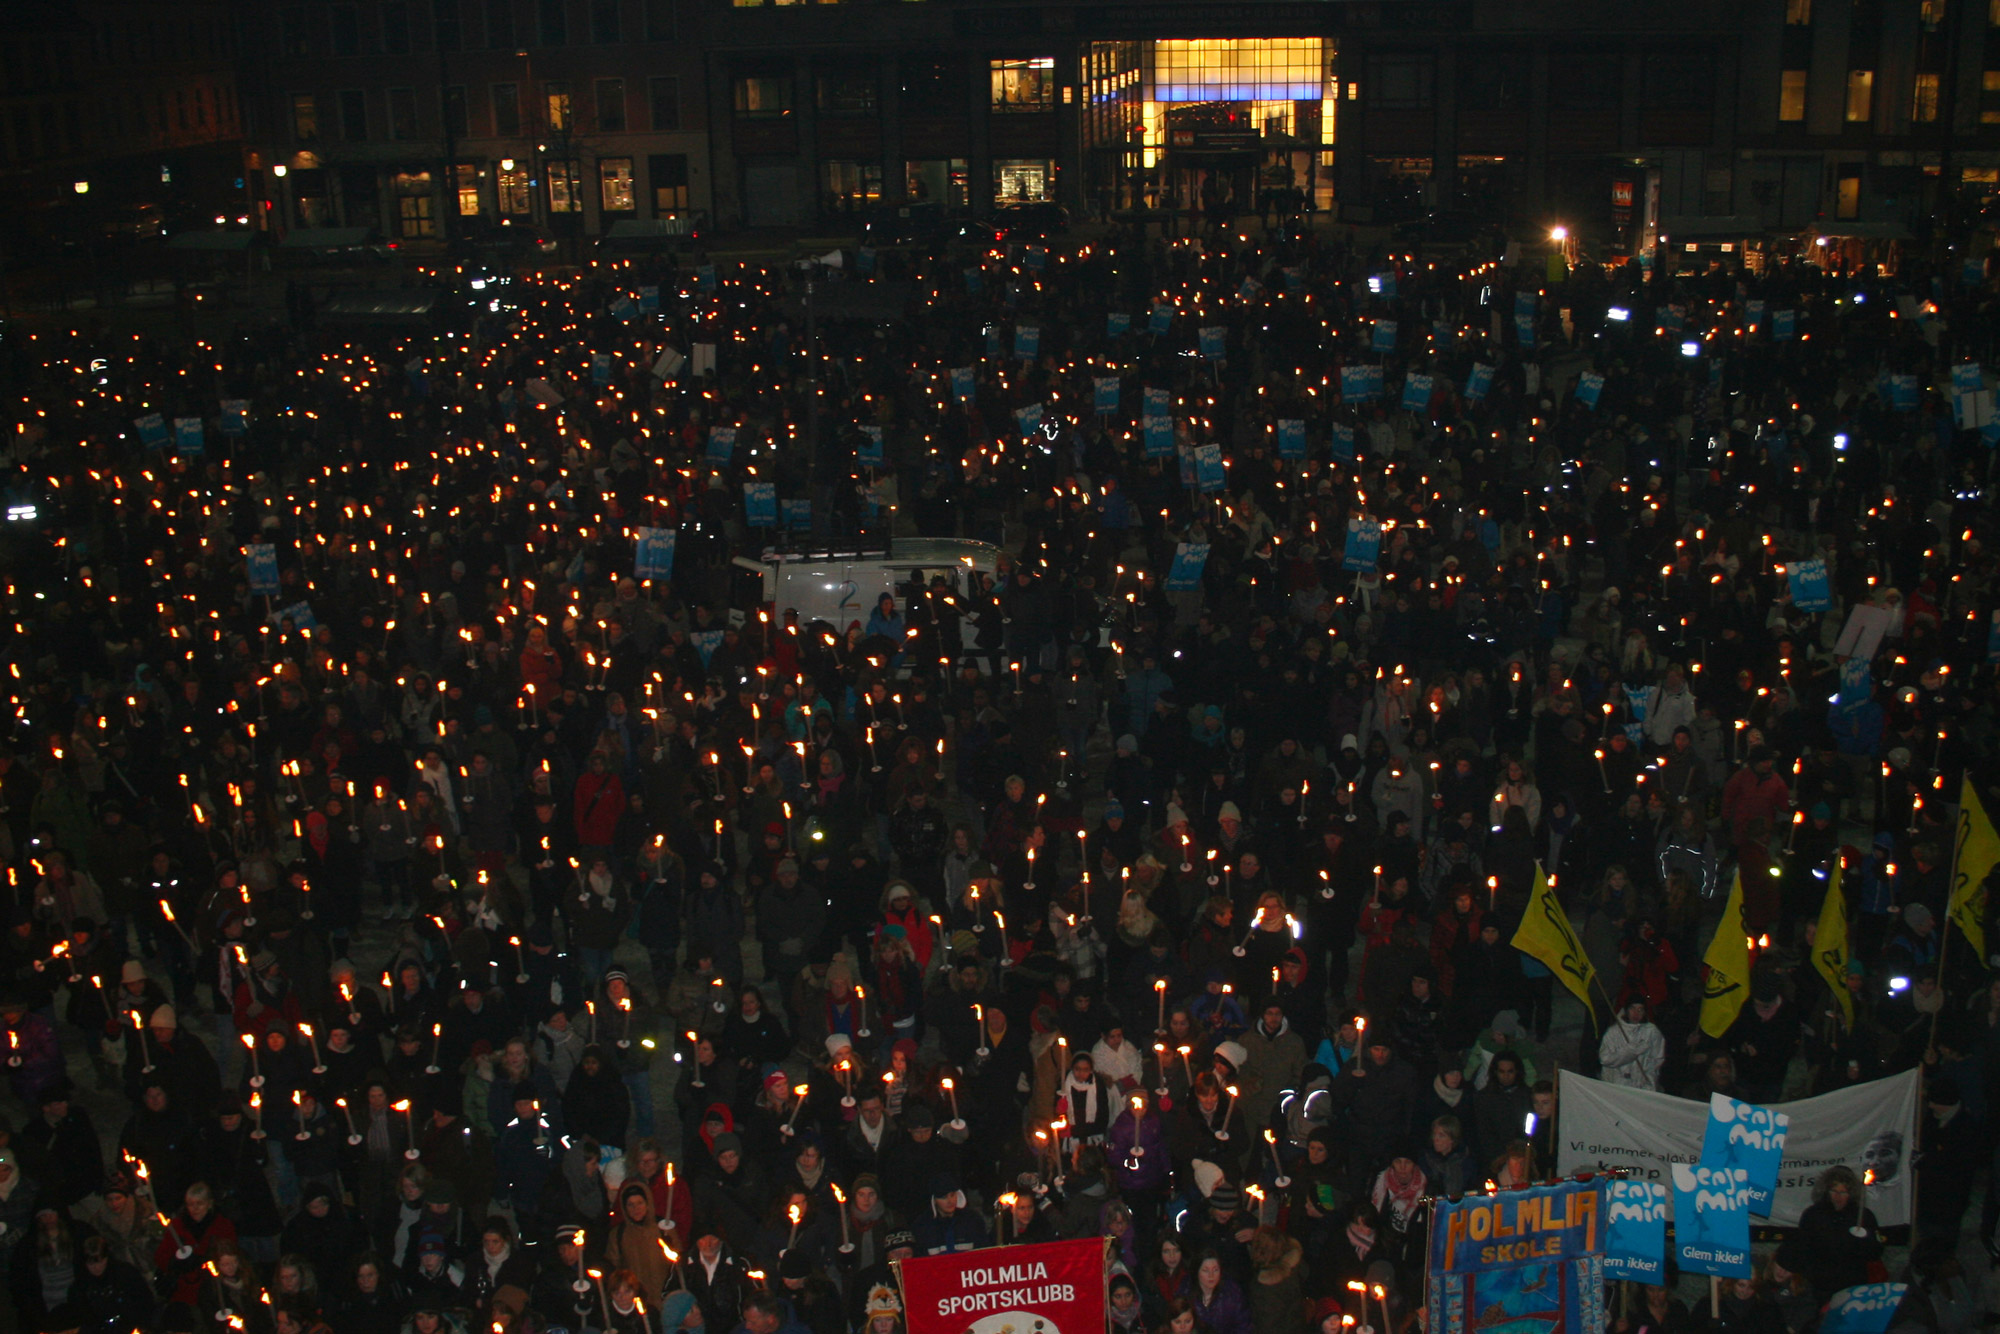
x=279 y=170
x=1559 y=233
x=82 y=187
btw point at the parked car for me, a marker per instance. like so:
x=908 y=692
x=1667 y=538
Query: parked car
x=1031 y=222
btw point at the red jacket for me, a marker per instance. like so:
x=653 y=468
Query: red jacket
x=600 y=800
x=189 y=1273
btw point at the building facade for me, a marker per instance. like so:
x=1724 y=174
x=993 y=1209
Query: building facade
x=568 y=115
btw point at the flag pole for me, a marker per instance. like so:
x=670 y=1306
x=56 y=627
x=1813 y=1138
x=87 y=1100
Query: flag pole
x=1959 y=832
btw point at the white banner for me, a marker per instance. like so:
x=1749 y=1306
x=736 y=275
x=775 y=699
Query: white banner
x=1874 y=1125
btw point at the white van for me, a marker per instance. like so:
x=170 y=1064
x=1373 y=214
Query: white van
x=842 y=586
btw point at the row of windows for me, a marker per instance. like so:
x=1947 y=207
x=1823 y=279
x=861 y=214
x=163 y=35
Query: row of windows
x=390 y=27
x=50 y=130
x=1018 y=85
x=1859 y=105
x=509 y=117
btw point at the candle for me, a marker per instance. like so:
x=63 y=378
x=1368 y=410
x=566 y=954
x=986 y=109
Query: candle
x=1160 y=1061
x=979 y=1018
x=597 y=1277
x=799 y=1093
x=694 y=1053
x=1356 y=1285
x=257 y=1115
x=1603 y=776
x=410 y=1124
x=1187 y=1066
x=861 y=998
x=951 y=1091
x=673 y=1188
x=846 y=1245
x=437 y=1040
x=1280 y=1180
x=795 y=1213
x=1227 y=1109
x=249 y=1041
x=347 y=1113
x=520 y=960
x=1160 y=990
x=319 y=1067
x=138 y=1025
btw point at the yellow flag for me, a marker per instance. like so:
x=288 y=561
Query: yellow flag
x=1727 y=982
x=1546 y=935
x=1973 y=859
x=1830 y=951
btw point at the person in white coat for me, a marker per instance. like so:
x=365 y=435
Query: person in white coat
x=1633 y=1049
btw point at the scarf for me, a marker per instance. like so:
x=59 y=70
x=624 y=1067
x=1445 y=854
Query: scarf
x=811 y=1179
x=1361 y=1238
x=1088 y=1088
x=1399 y=1194
x=1447 y=1095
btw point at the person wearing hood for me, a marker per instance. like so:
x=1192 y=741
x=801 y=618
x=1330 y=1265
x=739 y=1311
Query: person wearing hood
x=558 y=1046
x=634 y=1239
x=1633 y=1048
x=1500 y=1109
x=732 y=1191
x=951 y=1225
x=1137 y=1153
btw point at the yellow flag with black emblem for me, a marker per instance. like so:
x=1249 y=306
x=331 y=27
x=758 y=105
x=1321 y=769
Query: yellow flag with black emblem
x=1725 y=982
x=1829 y=950
x=1974 y=854
x=1546 y=935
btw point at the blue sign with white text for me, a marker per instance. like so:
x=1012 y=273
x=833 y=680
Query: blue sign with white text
x=1190 y=558
x=1743 y=1135
x=1635 y=1229
x=1712 y=1220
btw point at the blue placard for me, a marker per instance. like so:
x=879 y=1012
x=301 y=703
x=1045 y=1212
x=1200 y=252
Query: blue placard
x=961 y=383
x=1712 y=1220
x=1783 y=323
x=1159 y=320
x=1036 y=258
x=1291 y=438
x=1383 y=338
x=1158 y=403
x=649 y=299
x=1589 y=386
x=975 y=281
x=1478 y=382
x=869 y=452
x=1753 y=314
x=798 y=515
x=1903 y=391
x=1635 y=1229
x=1809 y=586
x=760 y=504
x=1214 y=342
x=704 y=278
x=188 y=436
x=864 y=261
x=260 y=560
x=1027 y=342
x=1867 y=1308
x=1416 y=392
x=1356 y=384
x=706 y=642
x=1029 y=418
x=1209 y=474
x=600 y=369
x=1190 y=559
x=625 y=308
x=1104 y=395
x=1743 y=1135
x=1967 y=378
x=1343 y=442
x=235 y=417
x=1364 y=545
x=153 y=432
x=1524 y=330
x=721 y=445
x=1159 y=433
x=300 y=614
x=653 y=553
x=1249 y=288
x=1117 y=324
x=1383 y=285
x=1525 y=303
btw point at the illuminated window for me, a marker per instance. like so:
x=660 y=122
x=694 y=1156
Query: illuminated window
x=850 y=185
x=669 y=173
x=1023 y=181
x=614 y=182
x=1924 y=99
x=936 y=181
x=1930 y=13
x=565 y=192
x=1847 y=193
x=1860 y=96
x=468 y=189
x=1024 y=85
x=1989 y=85
x=512 y=189
x=305 y=118
x=1279 y=69
x=1798 y=13
x=764 y=95
x=1792 y=95
x=556 y=98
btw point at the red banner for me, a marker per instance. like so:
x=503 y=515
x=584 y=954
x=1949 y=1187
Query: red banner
x=1056 y=1288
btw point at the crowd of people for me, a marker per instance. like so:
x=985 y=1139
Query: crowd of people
x=453 y=929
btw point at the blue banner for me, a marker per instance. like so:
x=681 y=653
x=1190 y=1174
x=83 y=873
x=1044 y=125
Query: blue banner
x=1753 y=314
x=600 y=369
x=1190 y=559
x=1712 y=1220
x=1525 y=303
x=1027 y=342
x=300 y=614
x=1117 y=324
x=1903 y=393
x=1383 y=285
x=1104 y=394
x=1356 y=384
x=1036 y=258
x=1383 y=338
x=649 y=299
x=260 y=559
x=1159 y=403
x=1478 y=382
x=152 y=430
x=235 y=416
x=798 y=515
x=1744 y=1135
x=1209 y=474
x=706 y=642
x=1214 y=342
x=721 y=445
x=760 y=504
x=1810 y=589
x=869 y=452
x=1416 y=392
x=1029 y=419
x=1782 y=323
x=1967 y=378
x=1343 y=442
x=653 y=554
x=1517 y=1262
x=625 y=308
x=1589 y=386
x=1364 y=545
x=1524 y=330
x=1635 y=1229
x=1867 y=1308
x=1291 y=439
x=188 y=436
x=1159 y=433
x=961 y=383
x=1159 y=319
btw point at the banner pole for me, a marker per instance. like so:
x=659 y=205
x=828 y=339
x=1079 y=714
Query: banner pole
x=1714 y=1297
x=1944 y=942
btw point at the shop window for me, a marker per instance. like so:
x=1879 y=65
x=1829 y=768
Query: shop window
x=1792 y=95
x=511 y=190
x=850 y=185
x=669 y=175
x=565 y=194
x=467 y=185
x=1860 y=96
x=1024 y=85
x=615 y=192
x=1024 y=181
